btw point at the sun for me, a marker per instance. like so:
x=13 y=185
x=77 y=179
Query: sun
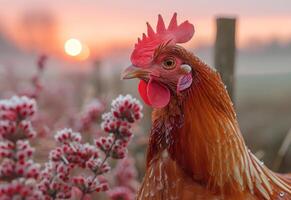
x=73 y=47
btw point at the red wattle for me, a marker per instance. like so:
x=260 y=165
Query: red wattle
x=158 y=94
x=142 y=89
x=154 y=94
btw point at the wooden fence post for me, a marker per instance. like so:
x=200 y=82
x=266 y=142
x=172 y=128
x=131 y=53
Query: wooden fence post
x=225 y=52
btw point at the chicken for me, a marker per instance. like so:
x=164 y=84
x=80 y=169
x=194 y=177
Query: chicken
x=196 y=149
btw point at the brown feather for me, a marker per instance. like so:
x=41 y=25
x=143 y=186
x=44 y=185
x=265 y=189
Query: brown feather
x=196 y=145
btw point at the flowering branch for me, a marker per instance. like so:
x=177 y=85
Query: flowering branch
x=20 y=176
x=36 y=79
x=90 y=115
x=18 y=172
x=126 y=183
x=57 y=179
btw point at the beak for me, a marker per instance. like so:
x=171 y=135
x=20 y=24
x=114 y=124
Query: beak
x=133 y=72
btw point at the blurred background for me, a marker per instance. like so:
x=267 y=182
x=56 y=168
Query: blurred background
x=88 y=42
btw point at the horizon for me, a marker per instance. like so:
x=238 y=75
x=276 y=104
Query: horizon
x=105 y=27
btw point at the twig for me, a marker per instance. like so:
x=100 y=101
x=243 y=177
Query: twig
x=282 y=151
x=107 y=155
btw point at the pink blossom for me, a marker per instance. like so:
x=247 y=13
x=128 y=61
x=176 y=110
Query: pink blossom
x=72 y=153
x=17 y=107
x=17 y=169
x=66 y=136
x=126 y=173
x=53 y=181
x=20 y=189
x=117 y=123
x=22 y=177
x=91 y=114
x=78 y=194
x=120 y=193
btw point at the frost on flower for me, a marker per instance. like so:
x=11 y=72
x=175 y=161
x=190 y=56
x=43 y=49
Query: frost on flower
x=126 y=183
x=72 y=154
x=17 y=108
x=53 y=181
x=126 y=174
x=20 y=189
x=90 y=115
x=124 y=112
x=18 y=171
x=14 y=113
x=121 y=193
x=21 y=177
x=126 y=108
x=66 y=136
x=57 y=179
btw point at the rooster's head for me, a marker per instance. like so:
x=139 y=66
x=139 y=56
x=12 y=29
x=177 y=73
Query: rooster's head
x=160 y=63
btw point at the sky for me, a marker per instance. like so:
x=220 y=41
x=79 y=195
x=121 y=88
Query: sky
x=108 y=24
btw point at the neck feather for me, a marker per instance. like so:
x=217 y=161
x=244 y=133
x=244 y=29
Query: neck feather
x=211 y=134
x=201 y=132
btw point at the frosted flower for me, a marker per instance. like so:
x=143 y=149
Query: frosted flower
x=6 y=148
x=23 y=150
x=98 y=166
x=104 y=143
x=120 y=193
x=57 y=179
x=21 y=107
x=91 y=114
x=14 y=113
x=7 y=168
x=27 y=129
x=66 y=136
x=20 y=189
x=125 y=111
x=125 y=172
x=118 y=152
x=7 y=128
x=126 y=108
x=17 y=169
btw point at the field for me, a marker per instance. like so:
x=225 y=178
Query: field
x=263 y=104
x=71 y=128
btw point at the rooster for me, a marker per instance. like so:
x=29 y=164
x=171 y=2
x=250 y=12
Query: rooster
x=196 y=149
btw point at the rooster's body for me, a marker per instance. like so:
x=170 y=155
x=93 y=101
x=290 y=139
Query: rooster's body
x=196 y=150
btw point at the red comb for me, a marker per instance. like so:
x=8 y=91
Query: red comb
x=144 y=48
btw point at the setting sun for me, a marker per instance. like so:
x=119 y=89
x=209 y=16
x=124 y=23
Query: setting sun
x=73 y=47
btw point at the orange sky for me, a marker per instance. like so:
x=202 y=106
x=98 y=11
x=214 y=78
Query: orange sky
x=104 y=25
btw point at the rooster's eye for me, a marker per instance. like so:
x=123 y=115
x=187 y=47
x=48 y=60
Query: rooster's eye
x=169 y=63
